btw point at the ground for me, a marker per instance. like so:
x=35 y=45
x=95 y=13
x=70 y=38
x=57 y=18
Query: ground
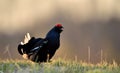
x=57 y=66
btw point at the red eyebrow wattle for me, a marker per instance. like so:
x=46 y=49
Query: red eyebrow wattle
x=58 y=25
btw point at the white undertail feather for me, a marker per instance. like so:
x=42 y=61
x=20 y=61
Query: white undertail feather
x=26 y=39
x=21 y=43
x=28 y=36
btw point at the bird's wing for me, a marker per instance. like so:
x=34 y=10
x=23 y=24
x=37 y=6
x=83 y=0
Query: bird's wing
x=39 y=45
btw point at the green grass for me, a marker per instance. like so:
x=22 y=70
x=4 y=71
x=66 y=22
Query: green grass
x=58 y=66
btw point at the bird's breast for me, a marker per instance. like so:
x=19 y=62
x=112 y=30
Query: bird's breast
x=54 y=43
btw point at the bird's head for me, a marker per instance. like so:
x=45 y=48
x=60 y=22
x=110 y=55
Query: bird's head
x=59 y=28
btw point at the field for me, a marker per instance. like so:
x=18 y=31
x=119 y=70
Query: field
x=57 y=66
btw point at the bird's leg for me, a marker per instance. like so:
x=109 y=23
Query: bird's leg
x=48 y=57
x=39 y=63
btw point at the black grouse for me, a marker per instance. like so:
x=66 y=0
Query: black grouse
x=41 y=49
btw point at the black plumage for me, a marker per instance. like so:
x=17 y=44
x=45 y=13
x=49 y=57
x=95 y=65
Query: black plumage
x=42 y=49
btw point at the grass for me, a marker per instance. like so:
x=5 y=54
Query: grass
x=57 y=66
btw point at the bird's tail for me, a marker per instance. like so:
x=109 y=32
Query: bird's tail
x=26 y=39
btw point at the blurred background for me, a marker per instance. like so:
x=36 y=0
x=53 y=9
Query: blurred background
x=88 y=24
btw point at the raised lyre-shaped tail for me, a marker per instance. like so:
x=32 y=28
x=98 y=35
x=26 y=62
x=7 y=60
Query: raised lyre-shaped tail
x=25 y=40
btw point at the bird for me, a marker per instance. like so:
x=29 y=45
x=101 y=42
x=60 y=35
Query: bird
x=41 y=49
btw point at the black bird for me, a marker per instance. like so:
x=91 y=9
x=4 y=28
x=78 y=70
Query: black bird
x=41 y=49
